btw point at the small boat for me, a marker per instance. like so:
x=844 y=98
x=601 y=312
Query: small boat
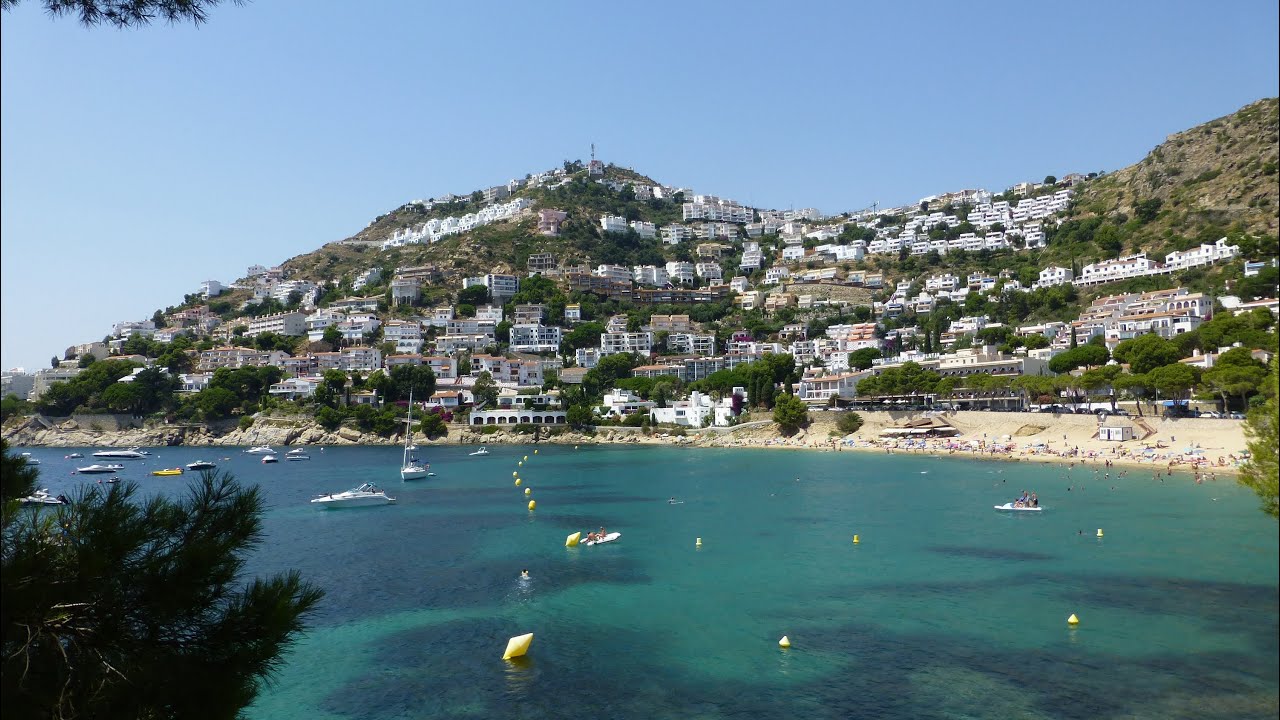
x=297 y=454
x=608 y=538
x=26 y=458
x=167 y=472
x=42 y=497
x=259 y=450
x=365 y=494
x=201 y=465
x=75 y=455
x=1010 y=507
x=481 y=451
x=91 y=469
x=267 y=459
x=132 y=453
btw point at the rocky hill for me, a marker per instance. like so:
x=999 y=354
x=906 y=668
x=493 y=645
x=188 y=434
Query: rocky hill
x=1196 y=186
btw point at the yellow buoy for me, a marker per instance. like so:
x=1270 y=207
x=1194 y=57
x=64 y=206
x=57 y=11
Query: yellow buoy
x=528 y=491
x=855 y=539
x=515 y=474
x=1099 y=532
x=785 y=642
x=520 y=464
x=575 y=447
x=518 y=481
x=699 y=543
x=524 y=459
x=1073 y=620
x=517 y=646
x=572 y=540
x=533 y=504
x=535 y=452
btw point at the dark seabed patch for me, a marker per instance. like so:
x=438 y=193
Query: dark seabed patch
x=990 y=553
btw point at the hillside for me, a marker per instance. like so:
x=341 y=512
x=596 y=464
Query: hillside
x=1196 y=186
x=1216 y=179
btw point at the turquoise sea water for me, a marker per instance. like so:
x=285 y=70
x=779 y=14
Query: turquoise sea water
x=945 y=609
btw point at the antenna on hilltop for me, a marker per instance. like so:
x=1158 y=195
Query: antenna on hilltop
x=593 y=152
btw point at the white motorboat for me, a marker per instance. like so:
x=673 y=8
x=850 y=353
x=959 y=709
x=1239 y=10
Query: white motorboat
x=481 y=451
x=130 y=454
x=608 y=538
x=268 y=459
x=95 y=468
x=297 y=454
x=26 y=458
x=201 y=465
x=75 y=455
x=410 y=467
x=365 y=494
x=1010 y=507
x=259 y=450
x=42 y=497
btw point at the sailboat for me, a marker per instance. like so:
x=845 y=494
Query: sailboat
x=410 y=468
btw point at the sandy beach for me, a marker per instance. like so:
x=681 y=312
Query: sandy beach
x=1209 y=445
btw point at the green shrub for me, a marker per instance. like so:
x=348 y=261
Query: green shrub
x=849 y=422
x=246 y=422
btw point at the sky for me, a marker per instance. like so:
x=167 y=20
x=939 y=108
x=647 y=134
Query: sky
x=135 y=164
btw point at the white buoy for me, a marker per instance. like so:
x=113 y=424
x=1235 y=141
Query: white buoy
x=785 y=642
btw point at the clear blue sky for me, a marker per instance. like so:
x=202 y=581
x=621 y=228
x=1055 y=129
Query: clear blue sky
x=138 y=163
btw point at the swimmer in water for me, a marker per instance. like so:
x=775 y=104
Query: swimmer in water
x=524 y=574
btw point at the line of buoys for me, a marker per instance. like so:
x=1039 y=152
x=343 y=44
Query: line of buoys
x=533 y=504
x=515 y=473
x=785 y=642
x=518 y=481
x=517 y=646
x=1073 y=620
x=528 y=491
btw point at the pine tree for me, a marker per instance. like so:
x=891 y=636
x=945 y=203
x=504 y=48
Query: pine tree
x=115 y=606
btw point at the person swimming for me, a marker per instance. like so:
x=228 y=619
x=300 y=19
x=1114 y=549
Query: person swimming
x=524 y=574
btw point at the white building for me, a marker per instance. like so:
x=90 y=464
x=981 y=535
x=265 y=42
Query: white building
x=626 y=342
x=286 y=323
x=211 y=288
x=613 y=272
x=679 y=271
x=698 y=411
x=1054 y=275
x=614 y=224
x=535 y=338
x=406 y=334
x=620 y=403
x=646 y=230
x=709 y=271
x=650 y=275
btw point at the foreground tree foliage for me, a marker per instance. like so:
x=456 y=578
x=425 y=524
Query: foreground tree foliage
x=121 y=606
x=1262 y=472
x=128 y=13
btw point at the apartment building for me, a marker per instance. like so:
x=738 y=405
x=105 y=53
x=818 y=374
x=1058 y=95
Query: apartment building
x=285 y=323
x=626 y=342
x=535 y=338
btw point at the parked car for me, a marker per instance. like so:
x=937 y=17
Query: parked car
x=1236 y=416
x=1084 y=411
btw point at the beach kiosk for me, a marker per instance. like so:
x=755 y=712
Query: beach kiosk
x=1118 y=432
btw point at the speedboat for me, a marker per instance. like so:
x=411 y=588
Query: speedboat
x=167 y=472
x=608 y=538
x=75 y=455
x=26 y=458
x=259 y=450
x=91 y=469
x=130 y=454
x=1010 y=507
x=42 y=497
x=201 y=465
x=365 y=494
x=297 y=454
x=266 y=459
x=481 y=451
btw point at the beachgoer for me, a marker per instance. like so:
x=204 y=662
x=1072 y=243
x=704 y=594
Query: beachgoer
x=524 y=574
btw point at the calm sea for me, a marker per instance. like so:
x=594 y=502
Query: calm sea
x=944 y=609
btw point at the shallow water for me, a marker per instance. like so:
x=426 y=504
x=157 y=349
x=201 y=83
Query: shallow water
x=944 y=609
